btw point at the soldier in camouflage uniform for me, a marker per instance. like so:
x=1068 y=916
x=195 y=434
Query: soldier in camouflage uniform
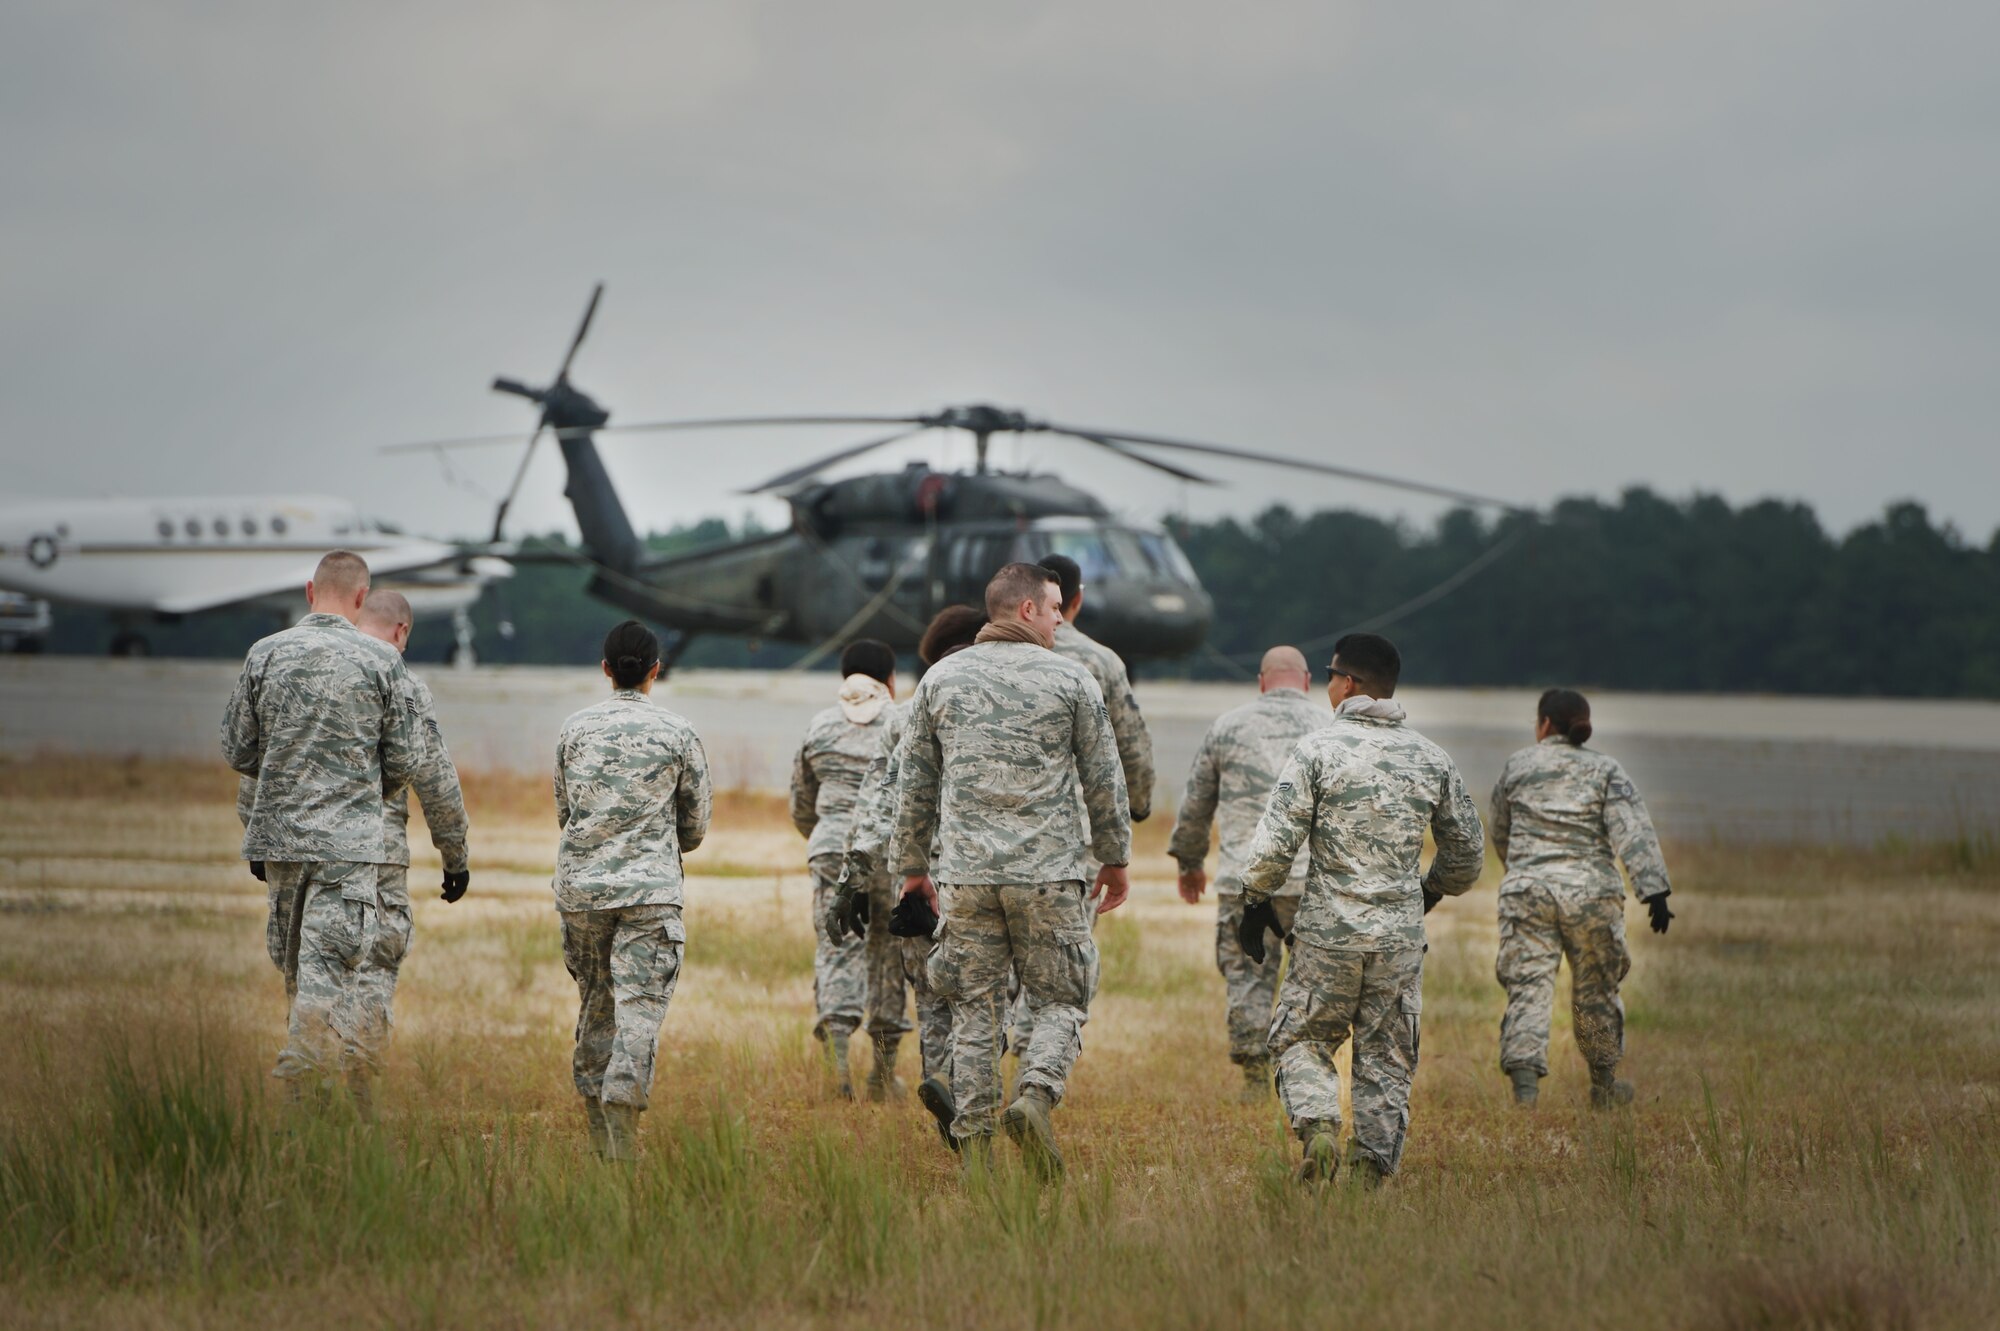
x=1231 y=781
x=852 y=977
x=324 y=718
x=869 y=851
x=385 y=617
x=632 y=796
x=1135 y=742
x=1560 y=813
x=1360 y=793
x=1007 y=746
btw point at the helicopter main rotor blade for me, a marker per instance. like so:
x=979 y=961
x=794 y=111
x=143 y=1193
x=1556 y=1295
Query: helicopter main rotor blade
x=589 y=313
x=719 y=422
x=1104 y=441
x=507 y=501
x=800 y=473
x=1300 y=464
x=656 y=427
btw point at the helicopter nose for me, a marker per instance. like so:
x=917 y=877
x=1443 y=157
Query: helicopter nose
x=1149 y=618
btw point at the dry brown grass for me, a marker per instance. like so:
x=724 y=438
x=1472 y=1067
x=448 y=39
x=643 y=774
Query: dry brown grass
x=1817 y=1046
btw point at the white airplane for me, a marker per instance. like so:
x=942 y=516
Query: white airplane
x=162 y=559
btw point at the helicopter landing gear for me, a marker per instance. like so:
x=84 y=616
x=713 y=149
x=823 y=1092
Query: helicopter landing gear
x=682 y=641
x=461 y=656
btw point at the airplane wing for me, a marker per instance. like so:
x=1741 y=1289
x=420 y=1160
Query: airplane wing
x=281 y=578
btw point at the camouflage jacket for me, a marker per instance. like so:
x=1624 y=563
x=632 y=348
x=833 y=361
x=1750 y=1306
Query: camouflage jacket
x=874 y=820
x=1234 y=770
x=1361 y=794
x=827 y=773
x=436 y=784
x=1135 y=742
x=632 y=796
x=1559 y=815
x=1006 y=751
x=322 y=717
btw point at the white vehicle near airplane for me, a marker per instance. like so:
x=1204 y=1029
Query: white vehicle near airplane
x=160 y=560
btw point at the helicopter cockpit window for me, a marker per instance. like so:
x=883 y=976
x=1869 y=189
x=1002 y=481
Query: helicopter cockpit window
x=1166 y=557
x=1087 y=548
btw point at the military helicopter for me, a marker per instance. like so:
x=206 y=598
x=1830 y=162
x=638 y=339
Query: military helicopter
x=877 y=555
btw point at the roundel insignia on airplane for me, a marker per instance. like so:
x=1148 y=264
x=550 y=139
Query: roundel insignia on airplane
x=42 y=551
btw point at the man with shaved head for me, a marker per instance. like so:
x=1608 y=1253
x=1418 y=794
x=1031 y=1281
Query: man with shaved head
x=385 y=617
x=1234 y=770
x=324 y=718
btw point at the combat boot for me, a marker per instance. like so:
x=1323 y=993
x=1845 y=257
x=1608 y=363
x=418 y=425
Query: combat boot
x=1027 y=1122
x=600 y=1134
x=1607 y=1091
x=935 y=1096
x=882 y=1082
x=1256 y=1082
x=836 y=1057
x=621 y=1132
x=361 y=1092
x=1527 y=1086
x=1321 y=1160
x=1362 y=1171
x=975 y=1155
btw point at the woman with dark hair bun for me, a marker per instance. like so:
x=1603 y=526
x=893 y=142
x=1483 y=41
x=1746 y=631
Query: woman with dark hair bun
x=632 y=796
x=912 y=923
x=1563 y=816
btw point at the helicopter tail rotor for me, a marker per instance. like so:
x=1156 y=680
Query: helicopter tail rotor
x=546 y=399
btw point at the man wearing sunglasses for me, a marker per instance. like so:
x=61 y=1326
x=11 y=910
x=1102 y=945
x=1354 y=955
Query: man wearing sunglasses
x=1359 y=795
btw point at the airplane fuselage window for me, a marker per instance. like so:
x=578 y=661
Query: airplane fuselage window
x=192 y=527
x=278 y=525
x=249 y=526
x=166 y=530
x=222 y=526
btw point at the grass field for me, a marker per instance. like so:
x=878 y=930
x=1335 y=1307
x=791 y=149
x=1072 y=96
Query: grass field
x=1816 y=1141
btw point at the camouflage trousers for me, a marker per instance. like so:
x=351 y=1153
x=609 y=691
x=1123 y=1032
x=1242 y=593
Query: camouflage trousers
x=375 y=998
x=933 y=1008
x=1538 y=928
x=857 y=980
x=988 y=930
x=626 y=962
x=322 y=933
x=1251 y=989
x=1377 y=998
x=1021 y=1024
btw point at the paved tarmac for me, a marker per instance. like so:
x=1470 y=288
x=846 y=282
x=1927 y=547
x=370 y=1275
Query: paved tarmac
x=1729 y=768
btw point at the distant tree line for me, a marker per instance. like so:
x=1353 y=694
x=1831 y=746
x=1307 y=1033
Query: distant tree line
x=1643 y=593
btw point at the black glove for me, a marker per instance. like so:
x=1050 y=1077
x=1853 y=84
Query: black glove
x=1250 y=933
x=855 y=909
x=913 y=917
x=455 y=883
x=1431 y=899
x=257 y=870
x=1658 y=905
x=842 y=912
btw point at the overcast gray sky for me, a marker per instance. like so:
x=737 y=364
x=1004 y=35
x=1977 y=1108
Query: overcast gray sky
x=1523 y=249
